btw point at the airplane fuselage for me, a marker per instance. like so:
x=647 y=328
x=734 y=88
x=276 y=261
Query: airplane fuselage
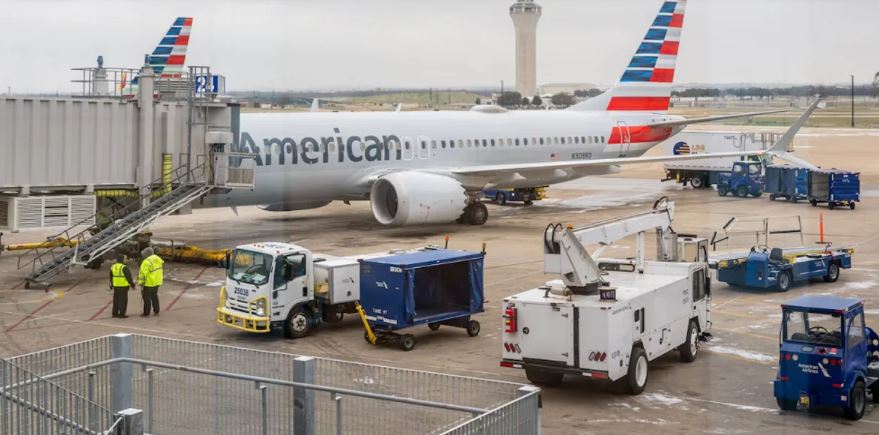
x=308 y=159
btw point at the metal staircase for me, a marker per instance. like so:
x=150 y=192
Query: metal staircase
x=100 y=236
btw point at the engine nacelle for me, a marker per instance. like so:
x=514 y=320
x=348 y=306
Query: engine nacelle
x=413 y=198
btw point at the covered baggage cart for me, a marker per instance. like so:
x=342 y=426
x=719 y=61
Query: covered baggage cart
x=835 y=187
x=788 y=182
x=434 y=287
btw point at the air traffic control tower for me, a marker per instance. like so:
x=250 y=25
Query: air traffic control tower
x=525 y=14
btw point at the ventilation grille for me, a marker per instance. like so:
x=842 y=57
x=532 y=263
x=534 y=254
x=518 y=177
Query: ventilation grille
x=46 y=211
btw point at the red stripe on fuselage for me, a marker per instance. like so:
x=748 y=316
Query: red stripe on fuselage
x=640 y=134
x=639 y=103
x=663 y=75
x=677 y=20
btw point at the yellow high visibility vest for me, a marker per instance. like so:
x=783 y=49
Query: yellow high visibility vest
x=119 y=279
x=151 y=274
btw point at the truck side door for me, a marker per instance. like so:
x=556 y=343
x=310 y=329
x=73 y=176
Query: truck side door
x=701 y=294
x=856 y=345
x=290 y=281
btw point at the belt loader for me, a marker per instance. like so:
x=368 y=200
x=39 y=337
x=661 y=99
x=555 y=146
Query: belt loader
x=608 y=318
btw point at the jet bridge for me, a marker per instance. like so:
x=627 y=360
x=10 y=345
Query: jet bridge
x=107 y=166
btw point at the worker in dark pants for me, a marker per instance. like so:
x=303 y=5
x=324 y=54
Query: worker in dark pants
x=150 y=279
x=120 y=283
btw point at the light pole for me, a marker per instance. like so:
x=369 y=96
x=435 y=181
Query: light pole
x=853 y=100
x=501 y=99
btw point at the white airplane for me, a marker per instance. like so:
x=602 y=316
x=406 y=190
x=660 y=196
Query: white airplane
x=430 y=167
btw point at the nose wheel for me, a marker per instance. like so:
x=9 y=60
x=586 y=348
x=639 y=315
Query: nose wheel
x=474 y=214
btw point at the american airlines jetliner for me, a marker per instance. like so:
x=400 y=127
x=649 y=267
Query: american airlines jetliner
x=430 y=167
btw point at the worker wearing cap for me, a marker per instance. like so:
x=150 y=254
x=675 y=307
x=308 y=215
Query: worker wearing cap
x=150 y=279
x=120 y=283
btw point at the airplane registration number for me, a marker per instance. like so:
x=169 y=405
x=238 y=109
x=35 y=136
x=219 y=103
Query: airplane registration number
x=581 y=156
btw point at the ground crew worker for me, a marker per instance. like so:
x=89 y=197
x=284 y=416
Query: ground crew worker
x=150 y=279
x=120 y=283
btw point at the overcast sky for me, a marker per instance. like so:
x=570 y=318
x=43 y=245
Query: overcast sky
x=346 y=44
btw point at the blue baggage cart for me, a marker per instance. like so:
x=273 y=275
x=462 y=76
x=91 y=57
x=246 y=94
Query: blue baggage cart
x=788 y=182
x=835 y=187
x=776 y=268
x=433 y=287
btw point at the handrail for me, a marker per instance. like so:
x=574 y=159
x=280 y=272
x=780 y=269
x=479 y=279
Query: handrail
x=280 y=382
x=196 y=174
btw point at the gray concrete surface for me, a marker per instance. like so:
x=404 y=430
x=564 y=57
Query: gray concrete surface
x=726 y=390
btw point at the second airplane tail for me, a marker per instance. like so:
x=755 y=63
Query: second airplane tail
x=646 y=84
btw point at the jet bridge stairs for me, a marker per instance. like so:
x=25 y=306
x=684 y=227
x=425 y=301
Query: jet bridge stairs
x=91 y=238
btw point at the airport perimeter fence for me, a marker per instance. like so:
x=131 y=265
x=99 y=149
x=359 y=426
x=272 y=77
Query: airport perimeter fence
x=186 y=387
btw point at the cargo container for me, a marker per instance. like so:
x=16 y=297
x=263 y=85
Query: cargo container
x=834 y=187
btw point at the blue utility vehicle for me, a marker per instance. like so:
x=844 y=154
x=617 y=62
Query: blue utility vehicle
x=746 y=178
x=526 y=195
x=777 y=268
x=828 y=356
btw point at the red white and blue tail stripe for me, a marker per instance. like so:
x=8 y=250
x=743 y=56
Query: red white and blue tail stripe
x=169 y=56
x=646 y=84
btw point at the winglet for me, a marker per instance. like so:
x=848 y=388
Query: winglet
x=315 y=105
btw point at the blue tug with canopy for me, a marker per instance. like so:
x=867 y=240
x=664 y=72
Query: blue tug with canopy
x=828 y=356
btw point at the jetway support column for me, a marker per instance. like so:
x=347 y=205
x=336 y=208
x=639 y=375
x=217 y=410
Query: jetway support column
x=145 y=134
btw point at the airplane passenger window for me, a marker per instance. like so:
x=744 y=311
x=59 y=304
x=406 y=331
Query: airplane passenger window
x=492 y=142
x=563 y=140
x=525 y=141
x=576 y=140
x=407 y=144
x=469 y=142
x=443 y=143
x=517 y=141
x=509 y=142
x=533 y=141
x=485 y=142
x=460 y=143
x=602 y=139
x=433 y=144
x=570 y=140
x=451 y=144
x=541 y=141
x=555 y=140
x=596 y=139
x=423 y=145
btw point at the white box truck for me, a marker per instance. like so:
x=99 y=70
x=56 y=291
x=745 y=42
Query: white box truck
x=608 y=318
x=702 y=173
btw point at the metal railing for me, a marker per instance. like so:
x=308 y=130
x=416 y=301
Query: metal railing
x=187 y=387
x=30 y=404
x=77 y=233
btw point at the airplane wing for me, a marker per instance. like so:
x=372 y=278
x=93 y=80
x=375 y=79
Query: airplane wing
x=689 y=121
x=778 y=149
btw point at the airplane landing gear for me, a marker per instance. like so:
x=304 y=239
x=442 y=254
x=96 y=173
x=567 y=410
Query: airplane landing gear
x=474 y=214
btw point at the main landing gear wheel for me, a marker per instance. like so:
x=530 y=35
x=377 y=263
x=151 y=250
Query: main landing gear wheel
x=474 y=214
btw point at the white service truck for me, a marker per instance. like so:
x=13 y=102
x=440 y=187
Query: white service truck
x=282 y=285
x=703 y=173
x=608 y=318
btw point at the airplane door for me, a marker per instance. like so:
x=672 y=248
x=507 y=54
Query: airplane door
x=625 y=138
x=408 y=148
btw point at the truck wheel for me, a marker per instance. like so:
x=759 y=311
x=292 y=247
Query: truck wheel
x=786 y=405
x=697 y=182
x=875 y=393
x=636 y=377
x=407 y=342
x=851 y=205
x=832 y=273
x=784 y=281
x=529 y=202
x=722 y=190
x=831 y=205
x=813 y=202
x=433 y=326
x=478 y=214
x=473 y=328
x=742 y=191
x=772 y=197
x=500 y=198
x=689 y=348
x=298 y=323
x=540 y=377
x=857 y=401
x=758 y=194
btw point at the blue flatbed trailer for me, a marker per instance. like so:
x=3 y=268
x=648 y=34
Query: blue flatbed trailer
x=827 y=357
x=434 y=287
x=780 y=269
x=788 y=182
x=525 y=195
x=834 y=187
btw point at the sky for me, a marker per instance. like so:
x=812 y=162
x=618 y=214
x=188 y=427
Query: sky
x=360 y=44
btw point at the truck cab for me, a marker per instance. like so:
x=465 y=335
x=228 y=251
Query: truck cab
x=829 y=357
x=746 y=178
x=281 y=285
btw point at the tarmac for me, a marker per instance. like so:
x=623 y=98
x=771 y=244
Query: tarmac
x=728 y=389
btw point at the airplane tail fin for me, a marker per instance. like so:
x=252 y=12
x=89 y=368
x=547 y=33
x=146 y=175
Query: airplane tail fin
x=169 y=56
x=646 y=84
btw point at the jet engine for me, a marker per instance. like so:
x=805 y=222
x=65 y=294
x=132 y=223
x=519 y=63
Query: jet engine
x=413 y=198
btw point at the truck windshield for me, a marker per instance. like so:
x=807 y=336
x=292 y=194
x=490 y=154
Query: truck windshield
x=813 y=328
x=250 y=267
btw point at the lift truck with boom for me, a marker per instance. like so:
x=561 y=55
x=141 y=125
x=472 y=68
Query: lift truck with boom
x=607 y=318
